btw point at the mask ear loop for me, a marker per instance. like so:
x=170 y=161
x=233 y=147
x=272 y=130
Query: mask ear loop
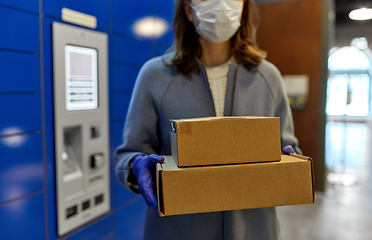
x=191 y=5
x=193 y=13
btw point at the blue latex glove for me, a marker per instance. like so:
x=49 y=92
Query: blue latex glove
x=144 y=169
x=288 y=149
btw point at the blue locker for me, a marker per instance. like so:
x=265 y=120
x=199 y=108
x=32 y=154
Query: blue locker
x=21 y=31
x=94 y=231
x=119 y=106
x=21 y=113
x=164 y=10
x=130 y=220
x=49 y=127
x=123 y=77
x=23 y=219
x=21 y=165
x=20 y=72
x=119 y=193
x=121 y=196
x=30 y=5
x=162 y=49
x=99 y=9
x=126 y=13
x=117 y=133
x=131 y=51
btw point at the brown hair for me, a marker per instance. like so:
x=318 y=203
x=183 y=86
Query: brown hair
x=243 y=47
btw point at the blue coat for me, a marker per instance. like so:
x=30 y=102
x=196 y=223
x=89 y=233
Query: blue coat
x=160 y=94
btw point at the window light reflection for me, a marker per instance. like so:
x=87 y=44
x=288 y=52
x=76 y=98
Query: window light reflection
x=348 y=58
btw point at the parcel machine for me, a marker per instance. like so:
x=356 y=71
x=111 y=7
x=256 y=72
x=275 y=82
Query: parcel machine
x=81 y=125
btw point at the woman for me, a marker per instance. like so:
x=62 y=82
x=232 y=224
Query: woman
x=215 y=70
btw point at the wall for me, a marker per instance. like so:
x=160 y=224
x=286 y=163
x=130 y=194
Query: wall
x=27 y=193
x=293 y=33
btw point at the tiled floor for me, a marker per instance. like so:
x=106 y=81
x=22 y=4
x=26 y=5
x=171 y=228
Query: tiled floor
x=341 y=212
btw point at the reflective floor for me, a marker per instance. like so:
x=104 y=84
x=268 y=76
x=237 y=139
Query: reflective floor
x=344 y=210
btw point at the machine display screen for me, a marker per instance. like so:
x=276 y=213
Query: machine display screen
x=81 y=78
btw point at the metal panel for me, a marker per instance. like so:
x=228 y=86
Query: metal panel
x=131 y=51
x=81 y=144
x=23 y=114
x=31 y=5
x=123 y=77
x=20 y=72
x=99 y=9
x=21 y=166
x=21 y=31
x=23 y=219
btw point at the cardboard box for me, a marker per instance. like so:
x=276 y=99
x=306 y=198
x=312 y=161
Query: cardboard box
x=225 y=140
x=232 y=187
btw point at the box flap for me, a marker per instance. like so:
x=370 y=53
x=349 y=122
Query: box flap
x=169 y=164
x=159 y=169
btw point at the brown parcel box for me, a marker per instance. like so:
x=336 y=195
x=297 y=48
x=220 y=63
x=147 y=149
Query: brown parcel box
x=225 y=140
x=232 y=187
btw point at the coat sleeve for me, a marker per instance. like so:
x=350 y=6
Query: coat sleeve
x=283 y=111
x=141 y=125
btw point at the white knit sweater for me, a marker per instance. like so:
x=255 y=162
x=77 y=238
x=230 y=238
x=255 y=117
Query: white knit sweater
x=217 y=78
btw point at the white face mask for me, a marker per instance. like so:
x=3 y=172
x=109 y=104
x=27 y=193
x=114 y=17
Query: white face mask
x=218 y=20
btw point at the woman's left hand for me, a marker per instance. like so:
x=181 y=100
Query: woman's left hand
x=288 y=149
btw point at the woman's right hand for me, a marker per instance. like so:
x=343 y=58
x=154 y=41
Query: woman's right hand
x=143 y=169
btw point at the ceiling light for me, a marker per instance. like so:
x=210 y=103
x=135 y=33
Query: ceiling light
x=150 y=27
x=361 y=14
